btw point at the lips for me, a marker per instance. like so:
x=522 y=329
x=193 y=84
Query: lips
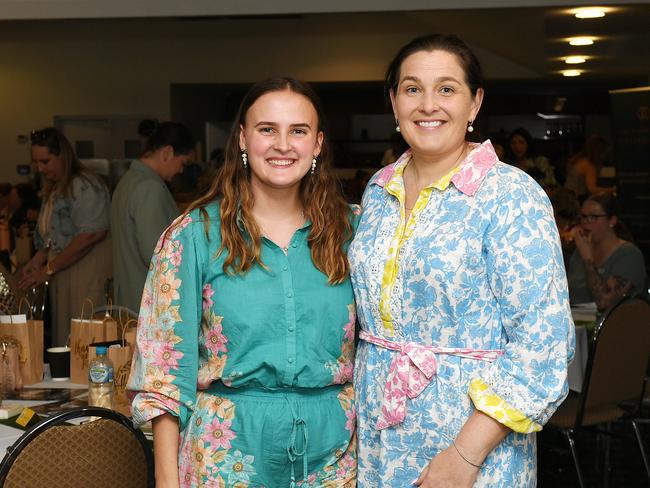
x=429 y=124
x=280 y=163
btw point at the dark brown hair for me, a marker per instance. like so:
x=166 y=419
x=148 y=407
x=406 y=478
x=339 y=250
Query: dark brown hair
x=320 y=196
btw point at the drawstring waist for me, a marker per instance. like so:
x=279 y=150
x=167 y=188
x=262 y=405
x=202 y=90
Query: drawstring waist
x=292 y=448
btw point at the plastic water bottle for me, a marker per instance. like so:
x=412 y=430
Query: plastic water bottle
x=100 y=380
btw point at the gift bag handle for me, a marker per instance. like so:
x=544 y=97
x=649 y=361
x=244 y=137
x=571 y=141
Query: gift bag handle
x=124 y=328
x=29 y=307
x=109 y=308
x=83 y=308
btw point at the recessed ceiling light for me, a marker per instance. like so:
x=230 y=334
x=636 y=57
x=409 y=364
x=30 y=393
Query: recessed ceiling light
x=571 y=72
x=575 y=59
x=589 y=12
x=581 y=41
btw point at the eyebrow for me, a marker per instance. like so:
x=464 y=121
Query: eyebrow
x=438 y=80
x=302 y=124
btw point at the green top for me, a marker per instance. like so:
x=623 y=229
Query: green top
x=280 y=327
x=141 y=210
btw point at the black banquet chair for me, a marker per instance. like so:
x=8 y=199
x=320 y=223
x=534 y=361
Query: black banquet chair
x=616 y=370
x=105 y=453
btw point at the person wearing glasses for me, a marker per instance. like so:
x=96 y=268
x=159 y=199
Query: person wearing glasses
x=605 y=265
x=73 y=250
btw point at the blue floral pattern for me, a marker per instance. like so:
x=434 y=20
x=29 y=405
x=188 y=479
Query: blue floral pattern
x=482 y=269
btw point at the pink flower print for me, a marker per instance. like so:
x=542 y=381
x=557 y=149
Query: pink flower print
x=342 y=374
x=215 y=341
x=220 y=434
x=176 y=257
x=351 y=421
x=207 y=297
x=166 y=357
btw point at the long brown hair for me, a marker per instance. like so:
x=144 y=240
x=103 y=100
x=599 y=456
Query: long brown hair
x=58 y=145
x=319 y=194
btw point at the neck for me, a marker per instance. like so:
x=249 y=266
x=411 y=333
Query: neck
x=607 y=241
x=276 y=204
x=429 y=169
x=154 y=163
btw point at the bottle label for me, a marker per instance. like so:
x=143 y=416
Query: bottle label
x=100 y=374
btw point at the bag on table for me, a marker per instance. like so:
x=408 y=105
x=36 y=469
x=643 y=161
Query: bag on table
x=83 y=333
x=10 y=378
x=29 y=335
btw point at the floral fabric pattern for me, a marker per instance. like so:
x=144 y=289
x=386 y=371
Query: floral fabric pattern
x=480 y=269
x=205 y=336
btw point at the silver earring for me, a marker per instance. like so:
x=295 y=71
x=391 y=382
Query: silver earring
x=397 y=129
x=470 y=127
x=244 y=158
x=313 y=165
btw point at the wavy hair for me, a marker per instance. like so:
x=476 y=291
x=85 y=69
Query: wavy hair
x=319 y=194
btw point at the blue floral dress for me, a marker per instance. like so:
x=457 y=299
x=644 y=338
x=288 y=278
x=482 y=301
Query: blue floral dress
x=257 y=367
x=477 y=266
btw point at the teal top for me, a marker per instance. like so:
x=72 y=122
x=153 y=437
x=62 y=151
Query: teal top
x=279 y=327
x=141 y=210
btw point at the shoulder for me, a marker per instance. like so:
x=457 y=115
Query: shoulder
x=628 y=249
x=88 y=186
x=505 y=182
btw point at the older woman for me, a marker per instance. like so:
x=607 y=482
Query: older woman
x=466 y=330
x=73 y=252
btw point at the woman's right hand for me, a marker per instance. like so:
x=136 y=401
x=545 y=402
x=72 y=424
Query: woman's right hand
x=583 y=243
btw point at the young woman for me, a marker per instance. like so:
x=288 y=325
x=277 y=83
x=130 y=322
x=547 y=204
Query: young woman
x=246 y=332
x=143 y=207
x=521 y=145
x=605 y=264
x=583 y=168
x=466 y=329
x=73 y=251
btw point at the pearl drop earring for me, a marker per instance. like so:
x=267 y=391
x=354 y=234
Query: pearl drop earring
x=313 y=165
x=470 y=127
x=244 y=158
x=397 y=129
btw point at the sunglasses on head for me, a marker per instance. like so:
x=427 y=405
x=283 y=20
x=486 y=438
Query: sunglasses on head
x=48 y=137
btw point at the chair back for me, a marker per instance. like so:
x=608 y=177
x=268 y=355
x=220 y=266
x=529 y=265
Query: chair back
x=103 y=453
x=619 y=355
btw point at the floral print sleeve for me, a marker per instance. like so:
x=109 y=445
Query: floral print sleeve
x=166 y=354
x=525 y=386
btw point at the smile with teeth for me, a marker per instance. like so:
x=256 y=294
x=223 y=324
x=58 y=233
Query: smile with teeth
x=429 y=123
x=280 y=162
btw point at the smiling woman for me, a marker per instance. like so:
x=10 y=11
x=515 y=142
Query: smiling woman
x=456 y=266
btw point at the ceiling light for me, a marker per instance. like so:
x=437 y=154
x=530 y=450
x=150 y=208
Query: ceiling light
x=571 y=72
x=589 y=12
x=575 y=59
x=581 y=41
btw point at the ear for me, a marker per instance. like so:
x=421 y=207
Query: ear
x=319 y=143
x=613 y=221
x=391 y=93
x=476 y=103
x=242 y=138
x=167 y=152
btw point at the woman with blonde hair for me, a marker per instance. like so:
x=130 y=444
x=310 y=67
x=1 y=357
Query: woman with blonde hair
x=73 y=251
x=246 y=333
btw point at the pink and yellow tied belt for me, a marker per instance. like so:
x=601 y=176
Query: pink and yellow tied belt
x=411 y=371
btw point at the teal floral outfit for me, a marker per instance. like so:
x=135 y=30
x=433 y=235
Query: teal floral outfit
x=257 y=367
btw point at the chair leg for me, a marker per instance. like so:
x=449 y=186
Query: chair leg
x=569 y=435
x=641 y=448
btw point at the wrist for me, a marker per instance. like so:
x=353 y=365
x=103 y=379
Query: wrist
x=49 y=270
x=475 y=461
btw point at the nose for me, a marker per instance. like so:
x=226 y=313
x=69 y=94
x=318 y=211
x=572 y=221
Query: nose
x=282 y=142
x=429 y=102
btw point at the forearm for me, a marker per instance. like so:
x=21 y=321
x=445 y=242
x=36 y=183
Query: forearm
x=38 y=259
x=77 y=249
x=165 y=448
x=479 y=436
x=604 y=290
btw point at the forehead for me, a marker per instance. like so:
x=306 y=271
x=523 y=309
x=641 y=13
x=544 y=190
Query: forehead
x=282 y=107
x=432 y=64
x=589 y=206
x=40 y=152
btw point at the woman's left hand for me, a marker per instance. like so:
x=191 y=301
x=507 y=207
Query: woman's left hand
x=447 y=470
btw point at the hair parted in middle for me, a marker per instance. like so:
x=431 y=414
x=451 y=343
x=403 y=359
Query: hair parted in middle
x=319 y=194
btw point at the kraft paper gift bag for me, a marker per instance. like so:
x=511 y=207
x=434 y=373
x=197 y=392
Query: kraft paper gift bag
x=83 y=332
x=29 y=335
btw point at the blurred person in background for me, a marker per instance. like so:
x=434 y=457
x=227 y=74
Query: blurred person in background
x=583 y=168
x=605 y=265
x=523 y=157
x=143 y=207
x=71 y=238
